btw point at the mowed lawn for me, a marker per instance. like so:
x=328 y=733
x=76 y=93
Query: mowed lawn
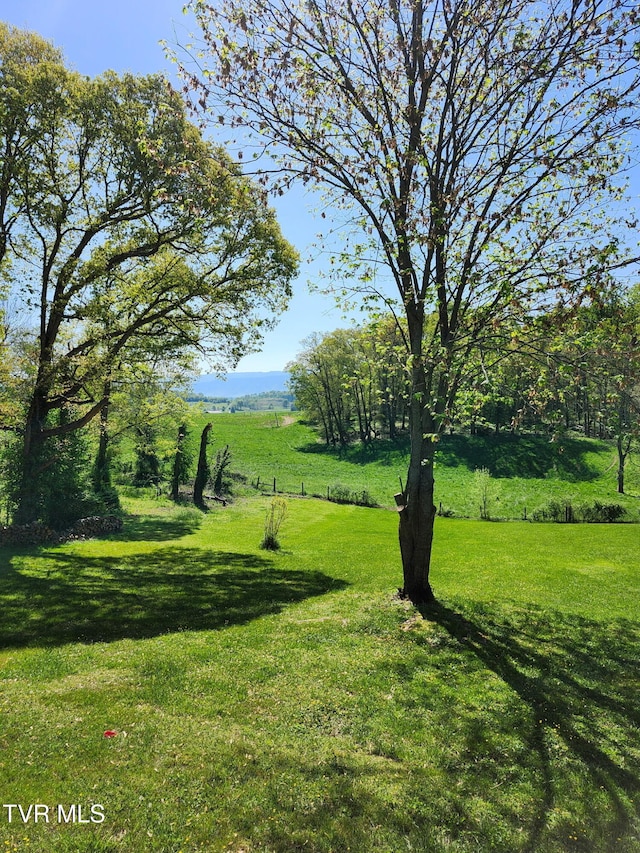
x=288 y=702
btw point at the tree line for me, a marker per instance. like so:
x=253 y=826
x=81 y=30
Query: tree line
x=130 y=246
x=575 y=370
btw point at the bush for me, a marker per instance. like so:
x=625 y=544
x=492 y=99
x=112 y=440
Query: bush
x=275 y=516
x=564 y=512
x=484 y=491
x=42 y=534
x=54 y=481
x=341 y=494
x=557 y=511
x=446 y=513
x=601 y=513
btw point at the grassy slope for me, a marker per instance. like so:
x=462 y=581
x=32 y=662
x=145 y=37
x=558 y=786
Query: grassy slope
x=528 y=470
x=285 y=702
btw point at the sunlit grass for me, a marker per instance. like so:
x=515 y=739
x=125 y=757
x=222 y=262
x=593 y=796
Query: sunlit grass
x=528 y=471
x=286 y=702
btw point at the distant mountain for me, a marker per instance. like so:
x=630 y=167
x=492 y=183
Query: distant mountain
x=240 y=384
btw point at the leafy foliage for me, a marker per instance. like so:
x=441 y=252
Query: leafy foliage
x=127 y=235
x=341 y=494
x=66 y=492
x=567 y=512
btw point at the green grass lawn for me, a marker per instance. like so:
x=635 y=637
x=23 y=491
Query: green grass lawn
x=287 y=702
x=528 y=470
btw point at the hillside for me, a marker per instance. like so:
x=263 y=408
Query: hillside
x=527 y=471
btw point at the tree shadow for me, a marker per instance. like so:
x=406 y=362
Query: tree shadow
x=505 y=455
x=577 y=681
x=336 y=798
x=518 y=455
x=382 y=451
x=140 y=528
x=78 y=598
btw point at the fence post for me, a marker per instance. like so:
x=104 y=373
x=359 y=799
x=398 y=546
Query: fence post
x=274 y=485
x=302 y=490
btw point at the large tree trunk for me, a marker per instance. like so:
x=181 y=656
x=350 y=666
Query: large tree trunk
x=416 y=525
x=418 y=511
x=32 y=462
x=623 y=450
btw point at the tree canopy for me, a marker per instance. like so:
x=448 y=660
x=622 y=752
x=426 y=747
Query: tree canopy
x=122 y=230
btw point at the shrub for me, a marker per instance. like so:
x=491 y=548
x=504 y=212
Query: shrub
x=446 y=513
x=564 y=512
x=602 y=513
x=556 y=511
x=484 y=491
x=62 y=492
x=275 y=516
x=341 y=494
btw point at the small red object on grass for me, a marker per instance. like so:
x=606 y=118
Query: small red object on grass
x=110 y=733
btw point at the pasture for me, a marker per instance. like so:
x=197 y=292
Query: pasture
x=527 y=471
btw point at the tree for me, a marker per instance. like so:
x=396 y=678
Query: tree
x=223 y=460
x=145 y=402
x=618 y=354
x=607 y=337
x=203 y=470
x=28 y=65
x=385 y=345
x=180 y=471
x=351 y=382
x=478 y=142
x=122 y=229
x=320 y=379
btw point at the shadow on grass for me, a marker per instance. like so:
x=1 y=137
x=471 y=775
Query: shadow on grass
x=72 y=598
x=508 y=455
x=489 y=728
x=505 y=455
x=578 y=727
x=382 y=451
x=140 y=528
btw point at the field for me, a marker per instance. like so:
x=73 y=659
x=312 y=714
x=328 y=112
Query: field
x=527 y=470
x=283 y=702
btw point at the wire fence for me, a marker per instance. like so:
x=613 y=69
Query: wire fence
x=337 y=492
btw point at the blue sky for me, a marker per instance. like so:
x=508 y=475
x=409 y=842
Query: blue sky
x=124 y=35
